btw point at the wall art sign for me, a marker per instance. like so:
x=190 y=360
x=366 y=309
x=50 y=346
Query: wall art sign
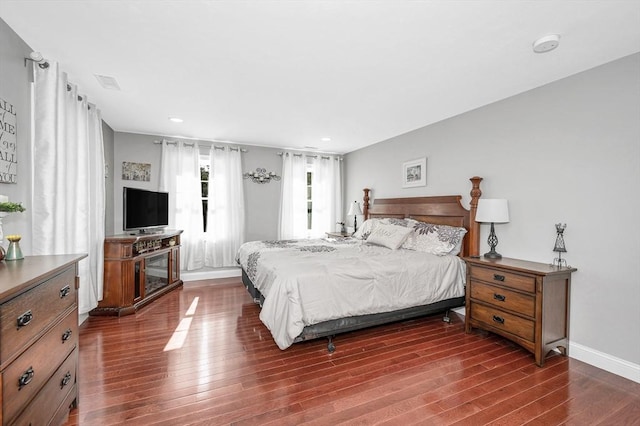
x=136 y=171
x=414 y=173
x=8 y=159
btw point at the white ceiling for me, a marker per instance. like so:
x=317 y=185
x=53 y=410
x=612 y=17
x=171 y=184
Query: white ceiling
x=288 y=73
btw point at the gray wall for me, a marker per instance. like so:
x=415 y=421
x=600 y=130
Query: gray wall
x=565 y=152
x=108 y=141
x=15 y=80
x=261 y=201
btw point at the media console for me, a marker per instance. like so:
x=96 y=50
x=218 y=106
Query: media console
x=138 y=268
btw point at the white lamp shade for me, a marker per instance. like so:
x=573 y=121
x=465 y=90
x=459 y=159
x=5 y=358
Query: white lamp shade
x=354 y=208
x=492 y=210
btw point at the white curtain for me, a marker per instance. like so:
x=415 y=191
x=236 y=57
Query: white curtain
x=225 y=211
x=68 y=178
x=293 y=198
x=180 y=177
x=326 y=185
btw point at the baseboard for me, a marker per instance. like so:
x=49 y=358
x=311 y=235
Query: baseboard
x=210 y=274
x=604 y=361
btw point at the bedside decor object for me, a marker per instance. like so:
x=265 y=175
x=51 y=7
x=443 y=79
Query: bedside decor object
x=492 y=211
x=354 y=210
x=343 y=230
x=14 y=252
x=560 y=247
x=414 y=173
x=261 y=176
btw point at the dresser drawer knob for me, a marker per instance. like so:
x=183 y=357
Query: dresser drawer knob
x=25 y=319
x=499 y=297
x=66 y=335
x=26 y=378
x=65 y=380
x=64 y=291
x=498 y=277
x=498 y=319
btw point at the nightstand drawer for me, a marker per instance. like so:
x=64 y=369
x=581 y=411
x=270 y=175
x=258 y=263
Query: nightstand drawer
x=503 y=321
x=503 y=298
x=508 y=279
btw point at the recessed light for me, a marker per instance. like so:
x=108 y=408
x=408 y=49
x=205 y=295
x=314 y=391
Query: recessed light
x=546 y=43
x=176 y=119
x=325 y=139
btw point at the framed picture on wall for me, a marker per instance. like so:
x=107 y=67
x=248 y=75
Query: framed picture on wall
x=414 y=173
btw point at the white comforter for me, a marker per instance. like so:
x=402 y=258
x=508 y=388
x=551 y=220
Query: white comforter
x=305 y=282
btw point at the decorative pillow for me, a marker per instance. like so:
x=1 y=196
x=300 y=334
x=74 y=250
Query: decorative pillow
x=369 y=225
x=365 y=229
x=390 y=236
x=435 y=239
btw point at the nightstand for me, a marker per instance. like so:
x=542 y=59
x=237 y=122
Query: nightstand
x=526 y=302
x=338 y=234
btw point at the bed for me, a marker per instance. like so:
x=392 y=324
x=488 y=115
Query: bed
x=309 y=289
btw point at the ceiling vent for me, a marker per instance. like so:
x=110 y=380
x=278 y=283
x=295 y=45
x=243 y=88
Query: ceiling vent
x=107 y=82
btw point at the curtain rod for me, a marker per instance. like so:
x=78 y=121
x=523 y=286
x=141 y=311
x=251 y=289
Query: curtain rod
x=323 y=157
x=204 y=143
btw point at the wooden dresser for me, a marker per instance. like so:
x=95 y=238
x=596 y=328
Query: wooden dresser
x=526 y=302
x=38 y=339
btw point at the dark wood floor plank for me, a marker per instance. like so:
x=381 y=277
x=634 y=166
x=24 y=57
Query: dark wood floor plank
x=228 y=370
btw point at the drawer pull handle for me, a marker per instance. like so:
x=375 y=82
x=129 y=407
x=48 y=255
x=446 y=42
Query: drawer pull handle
x=499 y=297
x=65 y=380
x=25 y=319
x=26 y=378
x=64 y=291
x=498 y=319
x=66 y=335
x=498 y=277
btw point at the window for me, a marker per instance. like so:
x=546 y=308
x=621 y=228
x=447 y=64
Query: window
x=204 y=188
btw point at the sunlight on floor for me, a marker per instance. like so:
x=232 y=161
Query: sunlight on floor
x=180 y=334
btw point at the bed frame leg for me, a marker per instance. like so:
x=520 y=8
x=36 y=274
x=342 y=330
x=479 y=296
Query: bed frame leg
x=331 y=348
x=446 y=318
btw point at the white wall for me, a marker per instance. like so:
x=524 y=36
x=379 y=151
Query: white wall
x=565 y=152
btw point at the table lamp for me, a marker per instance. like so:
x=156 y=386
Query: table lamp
x=354 y=209
x=492 y=211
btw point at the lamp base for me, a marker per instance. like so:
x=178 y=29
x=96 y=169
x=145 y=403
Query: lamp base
x=492 y=255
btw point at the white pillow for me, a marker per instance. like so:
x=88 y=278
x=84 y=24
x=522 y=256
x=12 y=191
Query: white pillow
x=435 y=239
x=390 y=236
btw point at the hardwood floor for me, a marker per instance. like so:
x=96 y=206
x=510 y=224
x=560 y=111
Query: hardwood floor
x=212 y=362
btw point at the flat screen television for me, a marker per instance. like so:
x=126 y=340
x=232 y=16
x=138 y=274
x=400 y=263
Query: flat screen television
x=144 y=210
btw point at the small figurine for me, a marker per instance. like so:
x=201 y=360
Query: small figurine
x=560 y=247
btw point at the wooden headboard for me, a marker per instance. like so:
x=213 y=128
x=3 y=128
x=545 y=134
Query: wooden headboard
x=441 y=210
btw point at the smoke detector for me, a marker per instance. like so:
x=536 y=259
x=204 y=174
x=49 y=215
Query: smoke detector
x=546 y=44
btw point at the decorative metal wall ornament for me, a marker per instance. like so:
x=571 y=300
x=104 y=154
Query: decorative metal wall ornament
x=261 y=176
x=560 y=247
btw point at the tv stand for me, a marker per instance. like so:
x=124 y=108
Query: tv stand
x=138 y=269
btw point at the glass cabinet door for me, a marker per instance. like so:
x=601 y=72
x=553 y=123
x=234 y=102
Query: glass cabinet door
x=156 y=273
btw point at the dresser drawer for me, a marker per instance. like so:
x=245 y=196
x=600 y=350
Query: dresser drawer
x=503 y=298
x=508 y=279
x=24 y=317
x=501 y=320
x=54 y=393
x=36 y=365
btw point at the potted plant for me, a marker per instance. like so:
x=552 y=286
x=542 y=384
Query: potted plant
x=10 y=207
